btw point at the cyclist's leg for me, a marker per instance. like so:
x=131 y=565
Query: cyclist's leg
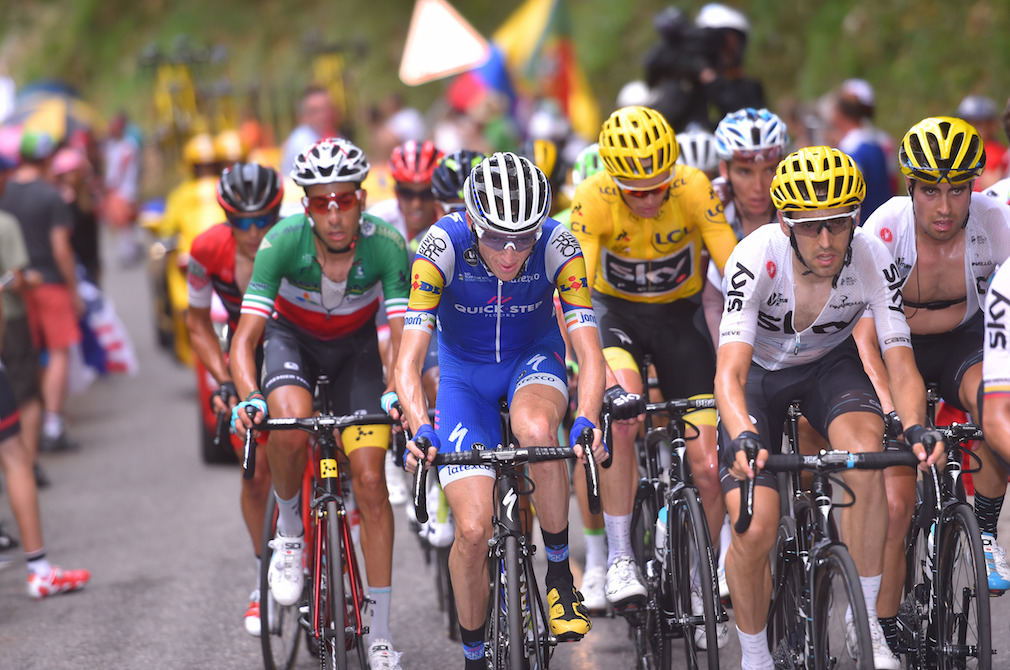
x=899 y=487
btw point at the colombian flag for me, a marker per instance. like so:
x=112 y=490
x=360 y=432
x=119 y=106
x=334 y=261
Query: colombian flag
x=537 y=43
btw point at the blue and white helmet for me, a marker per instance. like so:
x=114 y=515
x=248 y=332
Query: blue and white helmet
x=751 y=134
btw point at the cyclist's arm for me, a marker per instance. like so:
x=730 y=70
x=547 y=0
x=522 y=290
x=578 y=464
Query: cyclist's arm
x=712 y=304
x=731 y=370
x=909 y=394
x=395 y=291
x=717 y=235
x=248 y=333
x=591 y=223
x=205 y=343
x=407 y=376
x=865 y=335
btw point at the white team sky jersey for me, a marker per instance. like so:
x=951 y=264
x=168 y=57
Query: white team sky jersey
x=996 y=364
x=759 y=300
x=1000 y=190
x=986 y=242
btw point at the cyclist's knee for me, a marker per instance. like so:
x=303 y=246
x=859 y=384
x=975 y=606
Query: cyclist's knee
x=370 y=484
x=472 y=536
x=753 y=546
x=288 y=442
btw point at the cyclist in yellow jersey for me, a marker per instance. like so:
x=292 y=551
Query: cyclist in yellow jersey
x=642 y=225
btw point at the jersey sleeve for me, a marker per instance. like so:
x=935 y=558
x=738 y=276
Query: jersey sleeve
x=591 y=223
x=741 y=295
x=996 y=353
x=717 y=235
x=883 y=286
x=277 y=246
x=201 y=291
x=568 y=267
x=395 y=288
x=433 y=266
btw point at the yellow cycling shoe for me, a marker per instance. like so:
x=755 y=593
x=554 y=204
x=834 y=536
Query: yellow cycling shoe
x=569 y=617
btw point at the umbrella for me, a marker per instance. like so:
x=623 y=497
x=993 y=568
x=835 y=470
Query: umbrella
x=57 y=113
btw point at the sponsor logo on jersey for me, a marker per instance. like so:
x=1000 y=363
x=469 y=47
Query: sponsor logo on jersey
x=663 y=243
x=493 y=308
x=470 y=256
x=432 y=247
x=426 y=288
x=662 y=275
x=894 y=282
x=367 y=228
x=776 y=299
x=734 y=294
x=566 y=244
x=772 y=270
x=995 y=326
x=886 y=234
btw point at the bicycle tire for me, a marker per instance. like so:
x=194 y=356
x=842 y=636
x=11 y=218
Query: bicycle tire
x=280 y=627
x=332 y=600
x=786 y=632
x=835 y=586
x=962 y=593
x=691 y=548
x=495 y=638
x=913 y=613
x=516 y=642
x=446 y=597
x=643 y=530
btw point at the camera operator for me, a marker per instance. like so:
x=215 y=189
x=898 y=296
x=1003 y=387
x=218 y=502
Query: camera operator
x=696 y=71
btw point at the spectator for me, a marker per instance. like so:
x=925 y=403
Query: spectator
x=70 y=171
x=54 y=305
x=122 y=185
x=317 y=118
x=981 y=112
x=850 y=130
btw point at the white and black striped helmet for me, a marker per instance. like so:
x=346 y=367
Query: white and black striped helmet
x=333 y=159
x=507 y=193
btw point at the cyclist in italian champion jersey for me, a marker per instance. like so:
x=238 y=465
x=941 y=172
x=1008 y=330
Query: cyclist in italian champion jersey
x=793 y=295
x=484 y=280
x=643 y=224
x=750 y=144
x=221 y=261
x=316 y=286
x=945 y=245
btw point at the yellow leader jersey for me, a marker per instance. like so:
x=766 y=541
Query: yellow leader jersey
x=654 y=260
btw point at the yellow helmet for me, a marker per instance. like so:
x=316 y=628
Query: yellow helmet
x=228 y=147
x=817 y=178
x=634 y=136
x=199 y=150
x=942 y=148
x=544 y=153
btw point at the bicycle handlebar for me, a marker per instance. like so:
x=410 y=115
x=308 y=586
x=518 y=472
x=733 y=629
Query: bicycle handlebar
x=312 y=424
x=677 y=407
x=956 y=433
x=824 y=462
x=514 y=456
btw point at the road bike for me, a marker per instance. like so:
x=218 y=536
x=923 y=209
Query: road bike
x=518 y=635
x=814 y=579
x=331 y=610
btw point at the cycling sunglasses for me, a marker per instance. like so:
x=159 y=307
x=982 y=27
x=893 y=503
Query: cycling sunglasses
x=321 y=204
x=936 y=175
x=245 y=223
x=646 y=192
x=424 y=194
x=499 y=241
x=812 y=227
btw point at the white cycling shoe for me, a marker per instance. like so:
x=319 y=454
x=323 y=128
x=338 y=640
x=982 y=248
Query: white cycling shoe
x=286 y=575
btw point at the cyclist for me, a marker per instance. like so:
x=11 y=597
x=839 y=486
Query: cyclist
x=945 y=245
x=545 y=155
x=221 y=261
x=793 y=295
x=995 y=419
x=448 y=178
x=643 y=224
x=314 y=293
x=698 y=149
x=410 y=212
x=485 y=279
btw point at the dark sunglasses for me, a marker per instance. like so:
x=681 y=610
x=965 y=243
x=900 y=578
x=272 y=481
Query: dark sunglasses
x=813 y=227
x=646 y=192
x=498 y=241
x=245 y=223
x=409 y=194
x=320 y=204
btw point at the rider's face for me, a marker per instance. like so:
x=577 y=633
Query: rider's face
x=645 y=197
x=417 y=204
x=338 y=225
x=940 y=209
x=823 y=251
x=751 y=182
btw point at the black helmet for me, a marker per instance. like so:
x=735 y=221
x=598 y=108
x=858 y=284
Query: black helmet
x=249 y=187
x=448 y=178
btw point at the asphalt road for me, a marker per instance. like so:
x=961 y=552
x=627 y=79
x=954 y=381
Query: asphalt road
x=171 y=562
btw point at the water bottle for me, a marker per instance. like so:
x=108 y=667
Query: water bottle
x=661 y=534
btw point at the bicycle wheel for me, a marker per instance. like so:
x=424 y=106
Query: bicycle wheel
x=694 y=569
x=495 y=637
x=333 y=651
x=962 y=593
x=280 y=628
x=913 y=613
x=643 y=530
x=786 y=634
x=836 y=589
x=515 y=620
x=446 y=598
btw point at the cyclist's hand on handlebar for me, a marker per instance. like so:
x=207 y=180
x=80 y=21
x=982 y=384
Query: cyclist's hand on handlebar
x=224 y=398
x=624 y=406
x=924 y=439
x=743 y=444
x=600 y=450
x=390 y=404
x=240 y=419
x=426 y=438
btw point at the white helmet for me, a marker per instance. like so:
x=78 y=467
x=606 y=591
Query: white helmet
x=697 y=149
x=751 y=134
x=634 y=93
x=333 y=159
x=717 y=16
x=508 y=194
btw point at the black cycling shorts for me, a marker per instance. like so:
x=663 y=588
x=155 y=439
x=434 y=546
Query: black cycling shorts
x=683 y=359
x=292 y=357
x=944 y=358
x=21 y=359
x=826 y=389
x=10 y=424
